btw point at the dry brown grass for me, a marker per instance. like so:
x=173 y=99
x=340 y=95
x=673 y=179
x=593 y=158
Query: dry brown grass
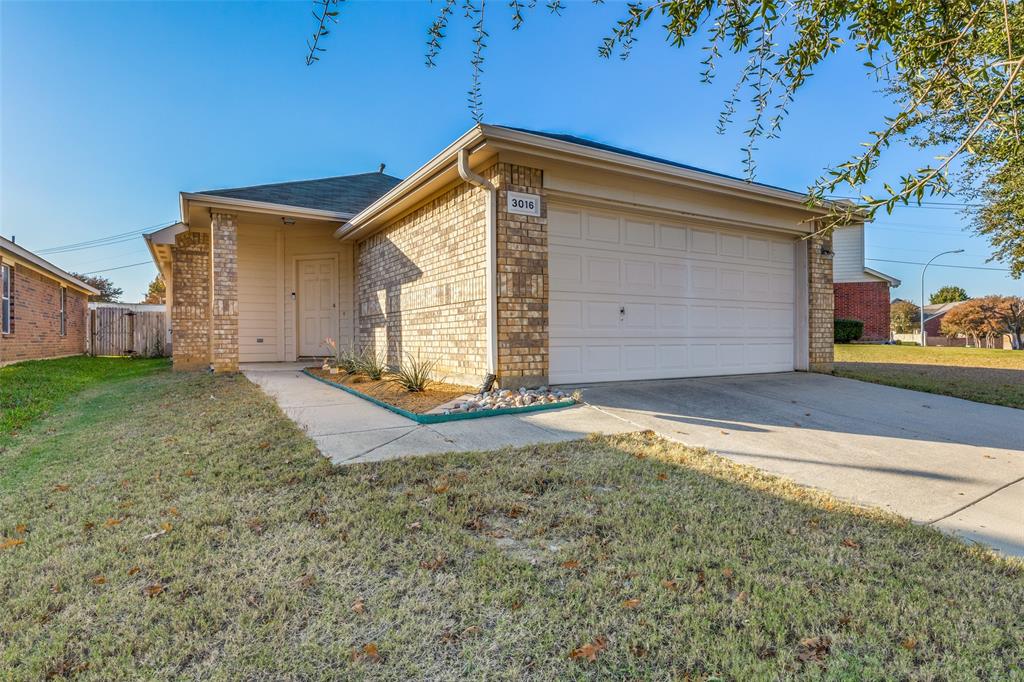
x=178 y=526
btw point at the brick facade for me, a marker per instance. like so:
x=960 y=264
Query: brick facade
x=522 y=260
x=867 y=302
x=224 y=294
x=821 y=331
x=421 y=285
x=190 y=310
x=35 y=318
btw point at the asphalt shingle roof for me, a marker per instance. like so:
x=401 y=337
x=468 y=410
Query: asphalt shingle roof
x=343 y=194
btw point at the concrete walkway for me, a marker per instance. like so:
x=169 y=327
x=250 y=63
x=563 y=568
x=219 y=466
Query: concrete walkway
x=351 y=430
x=951 y=463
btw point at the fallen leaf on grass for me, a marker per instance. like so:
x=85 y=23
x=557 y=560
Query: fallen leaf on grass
x=112 y=522
x=173 y=511
x=631 y=604
x=638 y=650
x=813 y=649
x=742 y=598
x=662 y=476
x=88 y=526
x=909 y=643
x=415 y=525
x=368 y=653
x=590 y=651
x=99 y=579
x=433 y=564
x=851 y=543
x=20 y=529
x=61 y=488
x=307 y=581
x=152 y=590
x=188 y=473
x=359 y=606
x=8 y=543
x=571 y=564
x=133 y=570
x=670 y=584
x=166 y=527
x=727 y=573
x=441 y=488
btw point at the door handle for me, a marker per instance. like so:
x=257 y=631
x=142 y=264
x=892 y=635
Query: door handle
x=622 y=312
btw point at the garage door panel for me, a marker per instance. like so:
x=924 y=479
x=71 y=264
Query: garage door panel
x=636 y=298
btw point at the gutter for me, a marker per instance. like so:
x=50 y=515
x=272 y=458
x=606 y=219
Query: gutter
x=490 y=218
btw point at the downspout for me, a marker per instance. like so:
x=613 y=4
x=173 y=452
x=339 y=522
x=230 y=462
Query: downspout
x=490 y=215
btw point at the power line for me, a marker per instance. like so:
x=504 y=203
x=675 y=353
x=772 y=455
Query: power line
x=103 y=241
x=939 y=265
x=120 y=267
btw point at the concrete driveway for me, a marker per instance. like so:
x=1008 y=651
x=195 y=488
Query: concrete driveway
x=952 y=463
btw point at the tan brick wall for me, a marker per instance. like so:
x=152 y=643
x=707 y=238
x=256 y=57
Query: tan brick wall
x=190 y=310
x=421 y=285
x=35 y=318
x=820 y=328
x=224 y=304
x=522 y=260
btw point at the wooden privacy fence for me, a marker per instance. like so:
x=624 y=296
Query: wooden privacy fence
x=127 y=330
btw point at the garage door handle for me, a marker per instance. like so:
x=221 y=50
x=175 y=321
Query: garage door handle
x=622 y=312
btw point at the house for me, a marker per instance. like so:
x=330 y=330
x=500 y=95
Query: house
x=536 y=257
x=42 y=308
x=933 y=315
x=861 y=293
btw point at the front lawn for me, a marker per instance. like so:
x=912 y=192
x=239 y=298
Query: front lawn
x=183 y=528
x=29 y=389
x=979 y=374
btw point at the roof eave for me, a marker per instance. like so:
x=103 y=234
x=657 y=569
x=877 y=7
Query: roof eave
x=893 y=282
x=503 y=138
x=187 y=199
x=46 y=267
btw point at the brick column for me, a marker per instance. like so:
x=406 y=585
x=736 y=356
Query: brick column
x=522 y=279
x=224 y=292
x=190 y=301
x=821 y=332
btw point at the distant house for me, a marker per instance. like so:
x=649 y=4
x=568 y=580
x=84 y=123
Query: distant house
x=42 y=308
x=861 y=293
x=933 y=315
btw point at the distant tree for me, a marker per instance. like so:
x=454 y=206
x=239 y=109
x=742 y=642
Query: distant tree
x=987 y=317
x=904 y=317
x=948 y=294
x=157 y=292
x=108 y=292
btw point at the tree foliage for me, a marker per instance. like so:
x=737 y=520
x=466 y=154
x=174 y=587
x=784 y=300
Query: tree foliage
x=157 y=291
x=108 y=292
x=952 y=67
x=904 y=317
x=948 y=294
x=986 y=318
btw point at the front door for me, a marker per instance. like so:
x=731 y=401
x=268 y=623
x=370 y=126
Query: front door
x=317 y=305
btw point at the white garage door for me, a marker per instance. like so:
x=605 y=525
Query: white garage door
x=639 y=298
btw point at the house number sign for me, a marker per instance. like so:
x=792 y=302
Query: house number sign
x=524 y=204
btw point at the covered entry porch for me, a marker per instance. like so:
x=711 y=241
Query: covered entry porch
x=252 y=282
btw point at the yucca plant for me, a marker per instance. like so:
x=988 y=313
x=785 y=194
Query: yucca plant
x=414 y=374
x=374 y=365
x=347 y=360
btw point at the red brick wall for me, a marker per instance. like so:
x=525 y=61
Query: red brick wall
x=35 y=319
x=867 y=302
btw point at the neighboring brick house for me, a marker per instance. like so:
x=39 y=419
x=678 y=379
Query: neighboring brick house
x=532 y=256
x=861 y=293
x=933 y=314
x=42 y=308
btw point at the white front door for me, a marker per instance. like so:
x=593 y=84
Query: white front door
x=634 y=297
x=317 y=305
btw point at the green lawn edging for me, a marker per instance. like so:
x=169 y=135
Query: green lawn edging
x=440 y=418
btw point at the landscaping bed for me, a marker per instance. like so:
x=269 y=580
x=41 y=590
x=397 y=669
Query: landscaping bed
x=181 y=527
x=441 y=402
x=418 y=402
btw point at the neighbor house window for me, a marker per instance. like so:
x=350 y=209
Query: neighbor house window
x=5 y=299
x=63 y=311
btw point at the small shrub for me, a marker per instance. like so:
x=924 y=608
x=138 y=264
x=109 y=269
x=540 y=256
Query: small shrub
x=848 y=330
x=373 y=365
x=414 y=374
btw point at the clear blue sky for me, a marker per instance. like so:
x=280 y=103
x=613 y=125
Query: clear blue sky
x=110 y=109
